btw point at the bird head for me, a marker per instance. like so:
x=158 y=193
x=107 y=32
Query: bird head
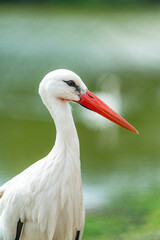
x=63 y=84
x=67 y=86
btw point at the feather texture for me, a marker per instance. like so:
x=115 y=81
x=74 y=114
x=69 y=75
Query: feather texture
x=47 y=196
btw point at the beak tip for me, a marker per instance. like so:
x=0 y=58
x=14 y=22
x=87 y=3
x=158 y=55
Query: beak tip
x=135 y=131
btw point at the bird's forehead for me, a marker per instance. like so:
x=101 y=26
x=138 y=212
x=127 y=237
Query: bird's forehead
x=64 y=74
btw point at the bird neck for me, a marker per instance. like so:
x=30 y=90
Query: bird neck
x=66 y=134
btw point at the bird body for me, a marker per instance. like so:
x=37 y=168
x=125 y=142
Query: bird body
x=47 y=196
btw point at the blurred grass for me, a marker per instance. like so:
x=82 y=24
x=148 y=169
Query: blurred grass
x=129 y=217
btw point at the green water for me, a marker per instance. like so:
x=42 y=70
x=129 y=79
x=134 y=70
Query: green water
x=115 y=52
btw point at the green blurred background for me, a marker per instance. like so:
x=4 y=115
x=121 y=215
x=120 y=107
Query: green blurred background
x=115 y=48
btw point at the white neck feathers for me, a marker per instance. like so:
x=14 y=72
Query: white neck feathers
x=66 y=134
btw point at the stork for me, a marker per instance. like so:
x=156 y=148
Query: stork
x=45 y=201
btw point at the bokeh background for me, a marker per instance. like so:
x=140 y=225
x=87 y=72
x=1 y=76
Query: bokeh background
x=115 y=47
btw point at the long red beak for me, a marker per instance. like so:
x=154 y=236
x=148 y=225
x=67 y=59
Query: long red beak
x=89 y=100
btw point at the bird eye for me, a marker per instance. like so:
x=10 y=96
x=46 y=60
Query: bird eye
x=70 y=83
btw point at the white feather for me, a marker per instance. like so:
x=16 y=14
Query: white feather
x=47 y=196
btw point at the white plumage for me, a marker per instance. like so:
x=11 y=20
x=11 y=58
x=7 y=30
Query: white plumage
x=47 y=196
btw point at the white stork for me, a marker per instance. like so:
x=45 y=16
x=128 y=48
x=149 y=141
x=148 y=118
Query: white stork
x=45 y=201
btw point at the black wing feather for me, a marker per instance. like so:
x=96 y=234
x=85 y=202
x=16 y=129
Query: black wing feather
x=19 y=229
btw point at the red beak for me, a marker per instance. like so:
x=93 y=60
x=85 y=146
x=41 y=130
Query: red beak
x=89 y=100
